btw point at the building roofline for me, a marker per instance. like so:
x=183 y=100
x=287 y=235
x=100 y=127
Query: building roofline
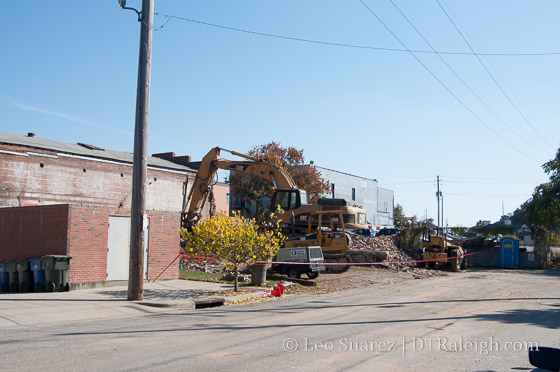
x=347 y=174
x=88 y=151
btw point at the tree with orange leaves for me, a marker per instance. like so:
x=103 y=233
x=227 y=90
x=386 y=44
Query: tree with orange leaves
x=255 y=191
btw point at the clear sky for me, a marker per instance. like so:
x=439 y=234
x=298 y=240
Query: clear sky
x=484 y=123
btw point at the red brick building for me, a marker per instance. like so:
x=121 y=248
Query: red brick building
x=74 y=199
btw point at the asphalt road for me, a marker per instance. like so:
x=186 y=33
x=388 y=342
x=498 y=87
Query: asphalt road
x=471 y=321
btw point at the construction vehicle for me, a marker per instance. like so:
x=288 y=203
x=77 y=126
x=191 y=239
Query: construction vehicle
x=310 y=255
x=299 y=218
x=325 y=229
x=443 y=253
x=292 y=200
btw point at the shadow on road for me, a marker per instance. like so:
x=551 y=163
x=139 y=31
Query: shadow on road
x=121 y=295
x=546 y=318
x=162 y=294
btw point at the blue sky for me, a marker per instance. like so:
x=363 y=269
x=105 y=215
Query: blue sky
x=68 y=73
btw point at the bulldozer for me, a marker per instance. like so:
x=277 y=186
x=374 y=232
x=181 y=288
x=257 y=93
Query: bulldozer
x=442 y=253
x=325 y=229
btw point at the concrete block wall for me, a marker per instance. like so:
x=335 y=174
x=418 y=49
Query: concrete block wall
x=525 y=263
x=491 y=259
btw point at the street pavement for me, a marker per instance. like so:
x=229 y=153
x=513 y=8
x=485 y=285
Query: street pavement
x=469 y=321
x=480 y=320
x=26 y=309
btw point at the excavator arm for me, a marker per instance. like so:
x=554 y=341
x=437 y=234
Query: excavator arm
x=198 y=195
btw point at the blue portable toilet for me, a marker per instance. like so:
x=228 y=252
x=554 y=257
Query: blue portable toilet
x=509 y=253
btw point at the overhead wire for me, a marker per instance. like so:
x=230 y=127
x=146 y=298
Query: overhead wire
x=492 y=76
x=495 y=178
x=487 y=195
x=445 y=86
x=463 y=81
x=347 y=45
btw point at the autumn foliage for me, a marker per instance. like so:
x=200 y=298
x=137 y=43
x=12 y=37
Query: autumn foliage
x=233 y=240
x=306 y=177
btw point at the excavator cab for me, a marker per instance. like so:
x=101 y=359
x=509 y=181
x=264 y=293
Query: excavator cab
x=288 y=199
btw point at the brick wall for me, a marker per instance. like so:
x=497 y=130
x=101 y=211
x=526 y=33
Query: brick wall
x=88 y=235
x=72 y=198
x=43 y=177
x=81 y=231
x=164 y=245
x=32 y=232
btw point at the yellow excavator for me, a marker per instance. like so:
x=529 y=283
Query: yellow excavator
x=286 y=195
x=327 y=219
x=436 y=247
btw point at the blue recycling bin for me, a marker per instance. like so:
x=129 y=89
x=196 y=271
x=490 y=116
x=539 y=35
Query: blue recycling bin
x=509 y=253
x=39 y=282
x=4 y=278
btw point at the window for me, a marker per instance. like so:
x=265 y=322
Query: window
x=362 y=218
x=349 y=218
x=293 y=200
x=227 y=199
x=353 y=193
x=284 y=201
x=332 y=190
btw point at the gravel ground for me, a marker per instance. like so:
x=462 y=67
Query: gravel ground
x=363 y=277
x=356 y=277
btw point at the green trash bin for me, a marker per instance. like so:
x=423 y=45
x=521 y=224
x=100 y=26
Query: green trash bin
x=25 y=276
x=56 y=272
x=11 y=267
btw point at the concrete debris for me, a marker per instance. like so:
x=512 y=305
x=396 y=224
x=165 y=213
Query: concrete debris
x=241 y=278
x=202 y=265
x=379 y=249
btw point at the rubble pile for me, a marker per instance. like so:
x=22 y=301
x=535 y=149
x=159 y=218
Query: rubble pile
x=202 y=264
x=386 y=243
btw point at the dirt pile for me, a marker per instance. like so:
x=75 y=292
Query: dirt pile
x=387 y=243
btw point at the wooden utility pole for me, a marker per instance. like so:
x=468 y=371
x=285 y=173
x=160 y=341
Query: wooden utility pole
x=438 y=194
x=137 y=232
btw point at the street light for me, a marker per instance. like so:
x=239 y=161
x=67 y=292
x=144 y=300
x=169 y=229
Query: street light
x=122 y=3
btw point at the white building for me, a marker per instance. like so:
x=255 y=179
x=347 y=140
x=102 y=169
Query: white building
x=378 y=202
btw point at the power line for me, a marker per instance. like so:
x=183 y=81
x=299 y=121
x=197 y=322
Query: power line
x=355 y=46
x=463 y=81
x=492 y=76
x=486 y=195
x=491 y=182
x=496 y=179
x=445 y=86
x=406 y=183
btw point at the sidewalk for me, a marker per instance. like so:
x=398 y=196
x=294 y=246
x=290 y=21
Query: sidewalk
x=29 y=309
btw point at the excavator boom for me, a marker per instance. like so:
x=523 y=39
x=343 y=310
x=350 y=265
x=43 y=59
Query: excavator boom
x=198 y=195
